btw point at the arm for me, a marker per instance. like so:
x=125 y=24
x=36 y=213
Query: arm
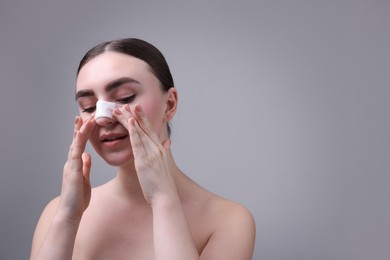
x=171 y=235
x=57 y=228
x=233 y=237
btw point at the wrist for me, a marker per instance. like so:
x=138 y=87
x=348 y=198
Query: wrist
x=165 y=201
x=66 y=220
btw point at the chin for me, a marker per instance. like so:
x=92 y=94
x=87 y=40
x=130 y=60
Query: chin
x=118 y=163
x=117 y=159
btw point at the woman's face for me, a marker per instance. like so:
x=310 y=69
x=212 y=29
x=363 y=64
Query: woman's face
x=123 y=79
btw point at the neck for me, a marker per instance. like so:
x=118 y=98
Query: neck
x=127 y=186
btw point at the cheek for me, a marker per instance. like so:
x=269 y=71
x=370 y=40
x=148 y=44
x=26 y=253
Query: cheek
x=154 y=111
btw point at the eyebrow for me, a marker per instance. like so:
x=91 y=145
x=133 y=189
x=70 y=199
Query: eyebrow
x=110 y=86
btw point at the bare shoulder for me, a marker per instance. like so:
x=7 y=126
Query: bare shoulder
x=230 y=215
x=233 y=230
x=228 y=208
x=44 y=223
x=221 y=228
x=47 y=215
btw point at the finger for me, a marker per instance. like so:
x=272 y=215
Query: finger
x=166 y=144
x=87 y=126
x=86 y=158
x=77 y=124
x=148 y=144
x=122 y=115
x=76 y=149
x=146 y=125
x=80 y=138
x=136 y=144
x=83 y=133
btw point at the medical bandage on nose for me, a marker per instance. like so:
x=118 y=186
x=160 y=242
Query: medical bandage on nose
x=104 y=109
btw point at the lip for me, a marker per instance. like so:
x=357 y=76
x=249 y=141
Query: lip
x=112 y=139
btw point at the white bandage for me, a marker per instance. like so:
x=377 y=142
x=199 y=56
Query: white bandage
x=104 y=109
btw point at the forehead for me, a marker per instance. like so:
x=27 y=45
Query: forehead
x=109 y=66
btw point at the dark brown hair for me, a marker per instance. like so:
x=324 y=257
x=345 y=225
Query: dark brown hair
x=139 y=49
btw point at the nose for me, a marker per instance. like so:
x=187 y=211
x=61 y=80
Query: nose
x=104 y=121
x=103 y=113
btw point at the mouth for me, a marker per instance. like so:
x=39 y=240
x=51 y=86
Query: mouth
x=113 y=138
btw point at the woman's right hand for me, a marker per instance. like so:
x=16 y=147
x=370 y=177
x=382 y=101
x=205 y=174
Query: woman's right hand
x=76 y=186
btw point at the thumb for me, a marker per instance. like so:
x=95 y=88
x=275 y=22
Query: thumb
x=166 y=144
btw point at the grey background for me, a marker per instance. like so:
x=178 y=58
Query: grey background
x=283 y=108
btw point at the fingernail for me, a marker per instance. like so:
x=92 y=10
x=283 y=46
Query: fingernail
x=117 y=111
x=138 y=108
x=132 y=121
x=77 y=120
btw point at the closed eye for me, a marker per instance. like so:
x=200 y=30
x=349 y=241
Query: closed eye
x=89 y=109
x=126 y=100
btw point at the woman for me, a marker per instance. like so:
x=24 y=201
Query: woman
x=150 y=210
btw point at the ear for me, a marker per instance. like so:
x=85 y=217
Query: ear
x=171 y=104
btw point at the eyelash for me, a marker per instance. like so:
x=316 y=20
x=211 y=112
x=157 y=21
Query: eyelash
x=126 y=100
x=123 y=101
x=89 y=109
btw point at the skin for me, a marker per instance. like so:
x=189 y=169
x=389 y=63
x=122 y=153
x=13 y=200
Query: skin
x=150 y=209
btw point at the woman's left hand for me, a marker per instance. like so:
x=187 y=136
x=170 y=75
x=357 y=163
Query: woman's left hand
x=151 y=158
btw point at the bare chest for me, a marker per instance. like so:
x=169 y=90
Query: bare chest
x=115 y=235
